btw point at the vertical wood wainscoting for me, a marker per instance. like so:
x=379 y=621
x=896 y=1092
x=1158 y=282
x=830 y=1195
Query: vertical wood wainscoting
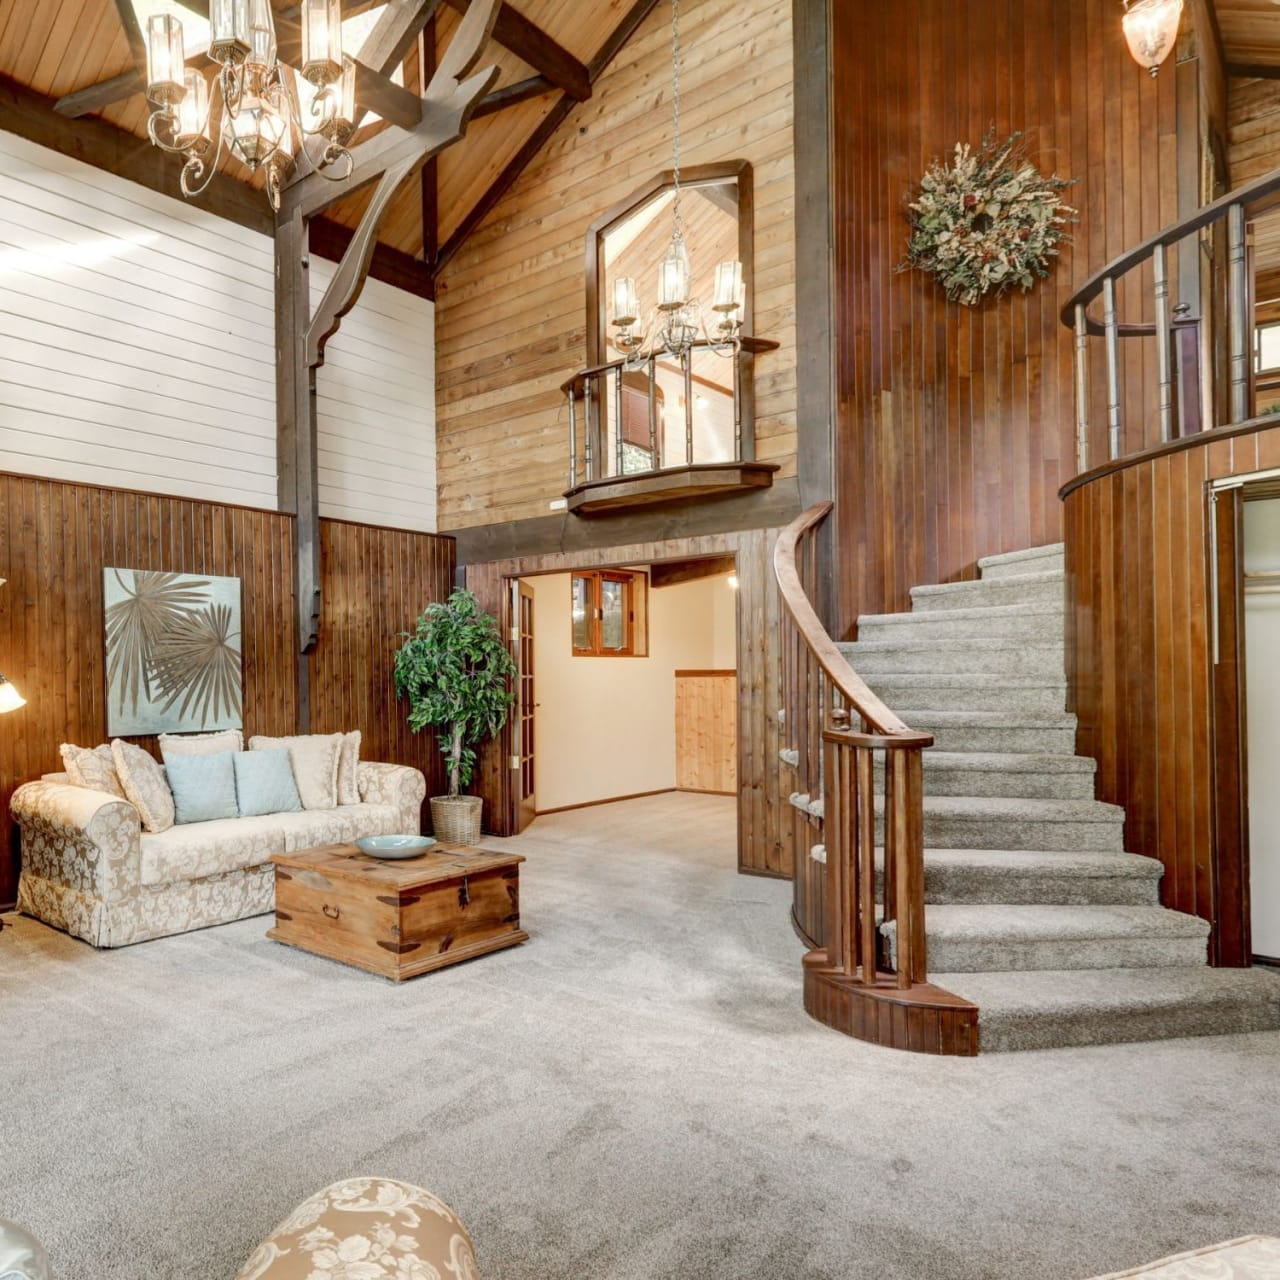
x=57 y=538
x=1140 y=665
x=955 y=425
x=762 y=809
x=707 y=732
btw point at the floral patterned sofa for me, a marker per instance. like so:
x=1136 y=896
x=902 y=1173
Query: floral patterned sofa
x=90 y=869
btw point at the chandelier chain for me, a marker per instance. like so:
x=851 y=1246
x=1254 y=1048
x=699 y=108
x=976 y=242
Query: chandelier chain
x=675 y=115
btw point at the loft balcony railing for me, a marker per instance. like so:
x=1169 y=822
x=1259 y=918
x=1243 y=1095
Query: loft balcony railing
x=1166 y=371
x=663 y=428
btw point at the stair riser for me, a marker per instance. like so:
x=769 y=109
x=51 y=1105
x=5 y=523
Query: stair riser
x=1046 y=700
x=954 y=955
x=949 y=832
x=1016 y=660
x=1007 y=783
x=980 y=738
x=1051 y=1030
x=973 y=595
x=1045 y=628
x=1038 y=889
x=1054 y=563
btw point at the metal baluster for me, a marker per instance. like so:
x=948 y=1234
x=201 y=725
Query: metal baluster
x=737 y=407
x=1082 y=388
x=686 y=362
x=591 y=424
x=1237 y=313
x=1115 y=423
x=617 y=421
x=573 y=437
x=1164 y=367
x=655 y=458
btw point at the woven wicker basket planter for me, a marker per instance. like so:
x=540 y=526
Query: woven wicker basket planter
x=456 y=819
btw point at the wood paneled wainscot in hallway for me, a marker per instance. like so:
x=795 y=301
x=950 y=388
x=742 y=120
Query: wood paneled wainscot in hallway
x=707 y=731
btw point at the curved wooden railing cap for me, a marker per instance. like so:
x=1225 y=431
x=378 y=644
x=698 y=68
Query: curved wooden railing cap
x=842 y=676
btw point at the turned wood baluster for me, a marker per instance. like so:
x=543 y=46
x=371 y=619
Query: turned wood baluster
x=904 y=859
x=865 y=844
x=842 y=938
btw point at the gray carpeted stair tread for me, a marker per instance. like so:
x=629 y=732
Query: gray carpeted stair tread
x=1035 y=620
x=1010 y=731
x=999 y=590
x=1008 y=761
x=999 y=808
x=958 y=656
x=983 y=938
x=1027 y=775
x=1013 y=563
x=971 y=691
x=1052 y=1008
x=1028 y=876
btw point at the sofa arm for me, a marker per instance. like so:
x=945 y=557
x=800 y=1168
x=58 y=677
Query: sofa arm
x=395 y=784
x=80 y=839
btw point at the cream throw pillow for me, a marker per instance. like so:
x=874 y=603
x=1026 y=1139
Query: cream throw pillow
x=348 y=769
x=314 y=757
x=144 y=785
x=201 y=744
x=95 y=769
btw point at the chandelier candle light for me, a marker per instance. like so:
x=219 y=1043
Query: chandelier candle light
x=252 y=109
x=675 y=324
x=1151 y=30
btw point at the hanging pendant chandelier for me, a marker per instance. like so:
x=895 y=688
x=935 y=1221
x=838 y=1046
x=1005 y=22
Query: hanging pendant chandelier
x=677 y=322
x=1151 y=30
x=251 y=110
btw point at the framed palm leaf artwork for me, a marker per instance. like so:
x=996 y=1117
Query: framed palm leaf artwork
x=174 y=662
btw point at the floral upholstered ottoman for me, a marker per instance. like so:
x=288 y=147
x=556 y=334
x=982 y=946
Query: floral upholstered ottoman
x=1249 y=1258
x=366 y=1229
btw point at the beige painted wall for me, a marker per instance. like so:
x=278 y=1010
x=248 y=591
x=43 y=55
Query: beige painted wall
x=605 y=727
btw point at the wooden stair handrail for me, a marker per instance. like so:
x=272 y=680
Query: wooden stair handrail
x=874 y=712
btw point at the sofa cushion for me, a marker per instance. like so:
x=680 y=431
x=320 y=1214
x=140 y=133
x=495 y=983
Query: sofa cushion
x=264 y=783
x=314 y=757
x=316 y=827
x=208 y=849
x=203 y=786
x=95 y=769
x=144 y=785
x=200 y=744
x=349 y=768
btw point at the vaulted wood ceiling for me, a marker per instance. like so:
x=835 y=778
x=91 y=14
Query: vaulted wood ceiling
x=1250 y=33
x=79 y=58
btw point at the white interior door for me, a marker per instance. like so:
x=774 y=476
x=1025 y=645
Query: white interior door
x=1262 y=684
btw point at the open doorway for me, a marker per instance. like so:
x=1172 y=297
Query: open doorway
x=632 y=675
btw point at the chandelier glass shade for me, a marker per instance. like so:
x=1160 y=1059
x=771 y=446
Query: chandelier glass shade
x=1151 y=30
x=251 y=109
x=677 y=321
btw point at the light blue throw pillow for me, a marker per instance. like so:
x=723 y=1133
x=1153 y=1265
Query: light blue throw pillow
x=204 y=787
x=265 y=783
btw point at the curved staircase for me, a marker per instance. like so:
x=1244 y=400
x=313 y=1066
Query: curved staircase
x=1034 y=911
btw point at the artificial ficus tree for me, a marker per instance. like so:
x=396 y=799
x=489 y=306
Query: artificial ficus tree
x=455 y=672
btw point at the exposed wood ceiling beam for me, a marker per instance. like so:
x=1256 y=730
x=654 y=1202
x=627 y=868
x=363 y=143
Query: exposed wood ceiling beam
x=533 y=45
x=132 y=32
x=396 y=32
x=513 y=94
x=331 y=240
x=670 y=573
x=521 y=161
x=1253 y=71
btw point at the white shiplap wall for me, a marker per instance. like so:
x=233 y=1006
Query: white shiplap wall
x=136 y=335
x=137 y=349
x=376 y=415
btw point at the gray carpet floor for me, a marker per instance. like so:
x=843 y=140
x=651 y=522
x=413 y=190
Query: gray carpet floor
x=635 y=1093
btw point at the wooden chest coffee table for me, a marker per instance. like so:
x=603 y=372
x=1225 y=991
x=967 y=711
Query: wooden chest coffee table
x=398 y=918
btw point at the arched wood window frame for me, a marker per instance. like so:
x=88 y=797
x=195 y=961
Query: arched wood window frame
x=737 y=171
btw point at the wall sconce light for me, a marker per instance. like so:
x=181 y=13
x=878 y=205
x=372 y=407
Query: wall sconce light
x=733 y=581
x=10 y=698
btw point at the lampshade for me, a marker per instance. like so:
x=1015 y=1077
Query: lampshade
x=10 y=698
x=674 y=276
x=1151 y=29
x=165 y=58
x=626 y=301
x=262 y=35
x=728 y=286
x=257 y=129
x=228 y=30
x=337 y=106
x=193 y=110
x=321 y=41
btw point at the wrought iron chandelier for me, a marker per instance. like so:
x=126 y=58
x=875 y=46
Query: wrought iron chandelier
x=675 y=324
x=1151 y=30
x=252 y=107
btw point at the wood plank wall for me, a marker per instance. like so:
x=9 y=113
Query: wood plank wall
x=55 y=540
x=956 y=425
x=510 y=312
x=1139 y=659
x=707 y=731
x=762 y=807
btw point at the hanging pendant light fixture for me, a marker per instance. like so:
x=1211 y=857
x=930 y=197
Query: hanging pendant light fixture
x=677 y=321
x=1151 y=30
x=250 y=110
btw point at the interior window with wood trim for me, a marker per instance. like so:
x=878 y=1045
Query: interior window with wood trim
x=609 y=617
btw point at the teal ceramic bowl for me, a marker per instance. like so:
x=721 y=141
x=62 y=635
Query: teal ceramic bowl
x=394 y=846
